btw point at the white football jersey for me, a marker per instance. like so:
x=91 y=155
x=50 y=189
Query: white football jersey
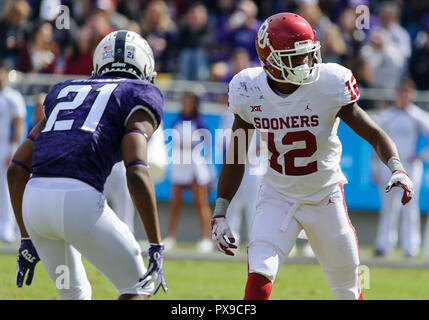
x=300 y=129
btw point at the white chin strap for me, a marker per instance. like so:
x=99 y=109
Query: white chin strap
x=299 y=73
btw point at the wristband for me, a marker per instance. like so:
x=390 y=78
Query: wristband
x=157 y=245
x=221 y=207
x=138 y=131
x=395 y=164
x=135 y=163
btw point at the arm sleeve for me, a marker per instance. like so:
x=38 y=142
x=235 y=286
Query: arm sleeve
x=149 y=98
x=349 y=90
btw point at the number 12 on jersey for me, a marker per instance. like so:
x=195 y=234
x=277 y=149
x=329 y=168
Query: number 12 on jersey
x=95 y=113
x=353 y=88
x=289 y=167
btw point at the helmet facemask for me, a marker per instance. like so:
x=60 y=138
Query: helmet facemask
x=126 y=68
x=302 y=74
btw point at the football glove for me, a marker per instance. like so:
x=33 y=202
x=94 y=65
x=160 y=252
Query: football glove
x=154 y=271
x=221 y=233
x=400 y=178
x=27 y=260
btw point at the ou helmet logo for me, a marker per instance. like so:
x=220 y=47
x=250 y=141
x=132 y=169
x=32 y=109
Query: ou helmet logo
x=263 y=35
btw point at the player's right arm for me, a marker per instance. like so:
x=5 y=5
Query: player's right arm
x=233 y=165
x=231 y=175
x=361 y=123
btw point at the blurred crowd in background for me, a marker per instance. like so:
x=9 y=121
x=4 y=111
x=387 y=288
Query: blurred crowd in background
x=213 y=40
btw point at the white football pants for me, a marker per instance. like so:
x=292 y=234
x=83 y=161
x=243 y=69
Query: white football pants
x=118 y=196
x=67 y=218
x=277 y=224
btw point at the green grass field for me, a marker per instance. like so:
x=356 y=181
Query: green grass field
x=208 y=280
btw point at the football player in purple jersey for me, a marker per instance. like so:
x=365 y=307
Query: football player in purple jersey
x=57 y=175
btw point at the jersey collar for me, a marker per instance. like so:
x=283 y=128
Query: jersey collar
x=272 y=95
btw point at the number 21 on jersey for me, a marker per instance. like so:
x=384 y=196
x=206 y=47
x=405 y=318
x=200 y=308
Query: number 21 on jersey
x=95 y=113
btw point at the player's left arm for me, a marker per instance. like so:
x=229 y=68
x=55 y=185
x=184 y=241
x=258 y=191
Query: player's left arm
x=18 y=174
x=361 y=123
x=140 y=185
x=138 y=130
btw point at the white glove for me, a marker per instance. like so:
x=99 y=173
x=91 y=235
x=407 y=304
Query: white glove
x=222 y=234
x=400 y=178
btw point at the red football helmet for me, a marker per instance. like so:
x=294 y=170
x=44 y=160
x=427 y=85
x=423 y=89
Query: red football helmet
x=279 y=38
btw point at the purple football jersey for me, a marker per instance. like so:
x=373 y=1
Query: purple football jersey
x=85 y=125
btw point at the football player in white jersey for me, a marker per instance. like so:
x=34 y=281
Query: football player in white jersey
x=297 y=102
